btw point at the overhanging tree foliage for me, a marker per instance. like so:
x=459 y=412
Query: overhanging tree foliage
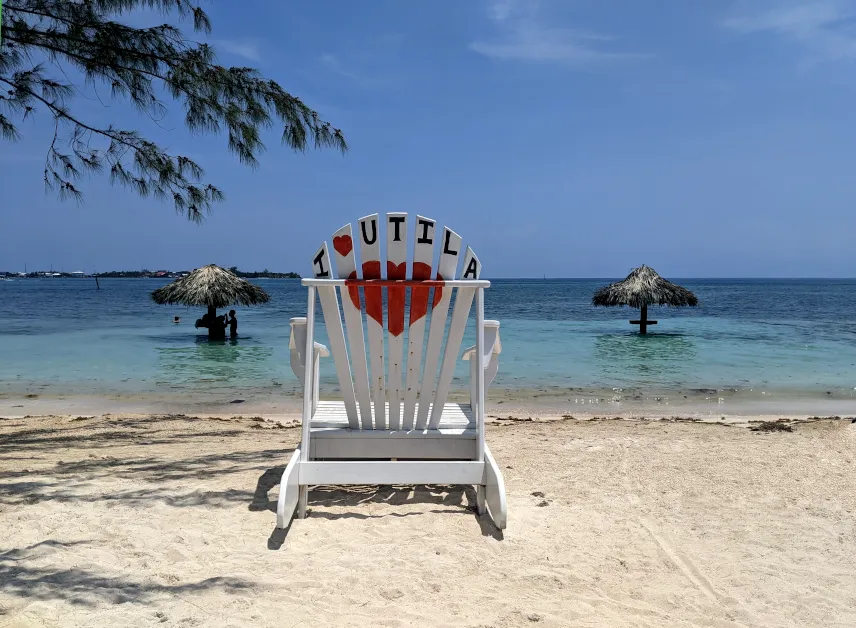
x=53 y=49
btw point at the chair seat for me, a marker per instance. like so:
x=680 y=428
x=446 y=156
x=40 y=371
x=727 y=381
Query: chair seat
x=333 y=439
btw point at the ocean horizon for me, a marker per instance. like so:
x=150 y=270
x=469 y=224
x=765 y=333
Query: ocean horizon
x=751 y=343
x=14 y=276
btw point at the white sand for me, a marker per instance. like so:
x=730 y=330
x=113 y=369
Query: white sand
x=139 y=521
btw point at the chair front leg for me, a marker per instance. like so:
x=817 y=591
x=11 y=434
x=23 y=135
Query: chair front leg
x=302 y=501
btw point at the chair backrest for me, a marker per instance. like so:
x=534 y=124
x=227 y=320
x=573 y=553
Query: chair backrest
x=415 y=390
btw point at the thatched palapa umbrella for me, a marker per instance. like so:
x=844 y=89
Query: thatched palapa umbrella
x=211 y=287
x=644 y=287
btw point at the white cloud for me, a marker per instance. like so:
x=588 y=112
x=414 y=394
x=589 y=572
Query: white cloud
x=530 y=42
x=241 y=48
x=522 y=35
x=361 y=72
x=334 y=65
x=824 y=28
x=501 y=9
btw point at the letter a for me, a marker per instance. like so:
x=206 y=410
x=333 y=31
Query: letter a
x=472 y=269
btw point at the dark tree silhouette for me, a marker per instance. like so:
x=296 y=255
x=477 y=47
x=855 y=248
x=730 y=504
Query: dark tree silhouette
x=52 y=49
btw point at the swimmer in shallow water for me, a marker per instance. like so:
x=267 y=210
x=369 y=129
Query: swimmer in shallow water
x=232 y=321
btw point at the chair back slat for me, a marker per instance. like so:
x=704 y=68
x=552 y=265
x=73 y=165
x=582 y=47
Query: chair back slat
x=423 y=257
x=336 y=334
x=463 y=303
x=446 y=269
x=346 y=268
x=369 y=238
x=396 y=268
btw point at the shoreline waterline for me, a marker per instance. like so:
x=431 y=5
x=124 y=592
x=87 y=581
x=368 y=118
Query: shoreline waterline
x=706 y=403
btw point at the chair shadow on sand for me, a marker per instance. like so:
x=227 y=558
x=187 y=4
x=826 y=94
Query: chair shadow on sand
x=445 y=499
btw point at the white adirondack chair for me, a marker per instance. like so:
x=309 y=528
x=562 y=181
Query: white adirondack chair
x=393 y=426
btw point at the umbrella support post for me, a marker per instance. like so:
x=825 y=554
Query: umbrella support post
x=212 y=317
x=643 y=321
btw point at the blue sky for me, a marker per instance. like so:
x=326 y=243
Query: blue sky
x=573 y=138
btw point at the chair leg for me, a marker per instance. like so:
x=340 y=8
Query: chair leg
x=494 y=490
x=302 y=502
x=480 y=496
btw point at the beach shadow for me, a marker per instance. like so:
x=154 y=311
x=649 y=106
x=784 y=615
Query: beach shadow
x=454 y=498
x=47 y=440
x=277 y=538
x=92 y=433
x=460 y=500
x=161 y=475
x=22 y=494
x=21 y=552
x=268 y=480
x=72 y=482
x=84 y=587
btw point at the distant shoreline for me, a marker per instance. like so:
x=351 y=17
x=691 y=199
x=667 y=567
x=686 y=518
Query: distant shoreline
x=290 y=275
x=138 y=275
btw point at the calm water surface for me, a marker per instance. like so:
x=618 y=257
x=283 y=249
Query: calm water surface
x=61 y=336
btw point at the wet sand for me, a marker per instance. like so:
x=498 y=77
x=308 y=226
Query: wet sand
x=702 y=403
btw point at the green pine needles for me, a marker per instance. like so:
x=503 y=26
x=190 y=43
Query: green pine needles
x=52 y=50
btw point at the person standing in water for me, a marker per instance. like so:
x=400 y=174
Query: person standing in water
x=233 y=324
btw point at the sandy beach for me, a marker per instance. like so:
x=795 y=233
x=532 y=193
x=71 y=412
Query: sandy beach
x=136 y=520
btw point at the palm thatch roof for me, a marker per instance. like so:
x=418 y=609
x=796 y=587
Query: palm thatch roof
x=210 y=286
x=644 y=286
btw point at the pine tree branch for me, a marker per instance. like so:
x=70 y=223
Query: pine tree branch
x=134 y=62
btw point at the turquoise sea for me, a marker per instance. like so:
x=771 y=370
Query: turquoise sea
x=757 y=338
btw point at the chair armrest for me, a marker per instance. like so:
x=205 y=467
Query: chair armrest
x=492 y=349
x=297 y=344
x=297 y=348
x=492 y=345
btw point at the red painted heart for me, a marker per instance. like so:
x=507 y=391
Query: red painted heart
x=373 y=294
x=371 y=270
x=354 y=291
x=374 y=297
x=438 y=292
x=394 y=271
x=343 y=245
x=419 y=296
x=396 y=298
